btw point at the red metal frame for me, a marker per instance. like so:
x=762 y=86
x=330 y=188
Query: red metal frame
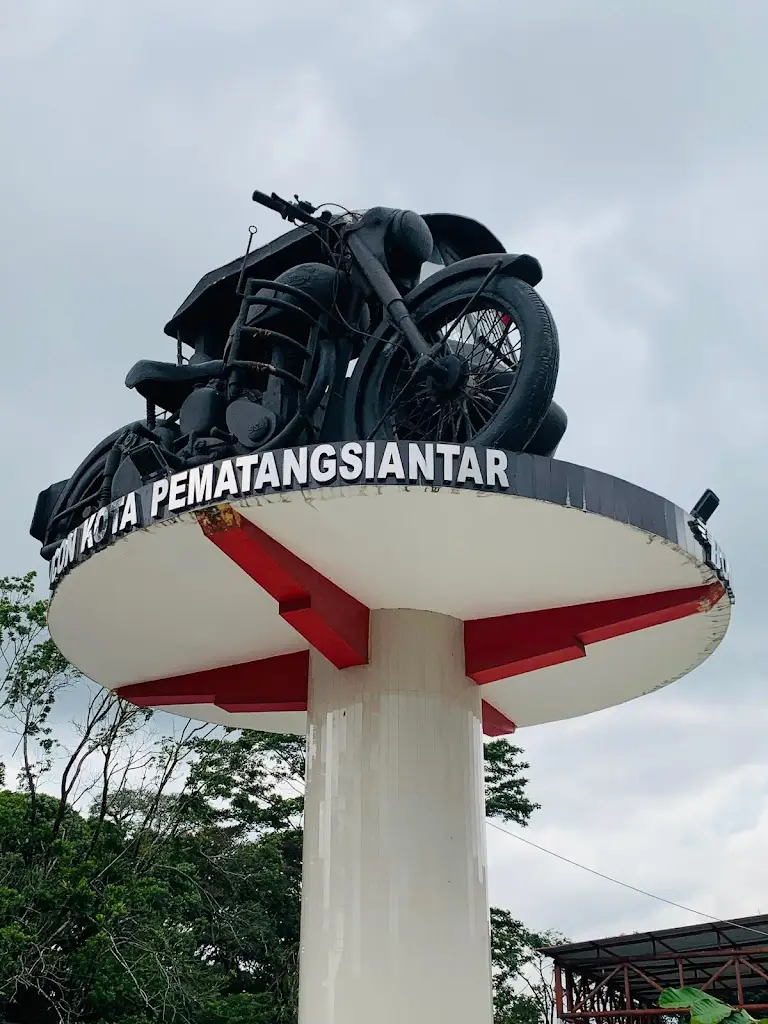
x=616 y=988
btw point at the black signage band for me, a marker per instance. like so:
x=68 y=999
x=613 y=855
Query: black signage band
x=381 y=463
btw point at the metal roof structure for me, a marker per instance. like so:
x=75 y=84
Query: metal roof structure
x=622 y=976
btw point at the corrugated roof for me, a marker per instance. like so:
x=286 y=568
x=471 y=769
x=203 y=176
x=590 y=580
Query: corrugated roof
x=744 y=931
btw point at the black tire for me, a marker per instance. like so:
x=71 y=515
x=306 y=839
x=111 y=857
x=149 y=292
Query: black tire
x=513 y=395
x=84 y=482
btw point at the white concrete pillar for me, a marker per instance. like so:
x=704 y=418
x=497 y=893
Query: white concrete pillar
x=395 y=922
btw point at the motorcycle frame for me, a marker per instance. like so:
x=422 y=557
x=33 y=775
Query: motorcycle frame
x=364 y=242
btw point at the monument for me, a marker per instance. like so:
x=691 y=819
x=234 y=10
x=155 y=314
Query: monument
x=341 y=516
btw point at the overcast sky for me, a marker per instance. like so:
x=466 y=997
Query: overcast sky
x=622 y=143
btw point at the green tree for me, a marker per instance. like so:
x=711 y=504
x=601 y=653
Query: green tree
x=523 y=989
x=148 y=877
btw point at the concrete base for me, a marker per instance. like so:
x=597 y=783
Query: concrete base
x=395 y=921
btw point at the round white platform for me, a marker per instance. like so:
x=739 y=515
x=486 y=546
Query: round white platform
x=489 y=534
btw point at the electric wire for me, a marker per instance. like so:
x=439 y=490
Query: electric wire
x=610 y=878
x=626 y=885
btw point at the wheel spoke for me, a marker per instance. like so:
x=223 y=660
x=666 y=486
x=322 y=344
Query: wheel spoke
x=488 y=341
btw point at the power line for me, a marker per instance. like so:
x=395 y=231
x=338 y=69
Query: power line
x=610 y=878
x=625 y=885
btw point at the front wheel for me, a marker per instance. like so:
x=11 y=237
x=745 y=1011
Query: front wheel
x=499 y=350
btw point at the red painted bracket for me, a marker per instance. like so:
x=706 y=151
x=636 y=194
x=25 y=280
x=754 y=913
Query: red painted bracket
x=258 y=687
x=332 y=621
x=270 y=684
x=494 y=723
x=509 y=645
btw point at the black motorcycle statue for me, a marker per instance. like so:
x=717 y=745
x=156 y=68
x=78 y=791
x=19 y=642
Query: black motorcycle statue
x=376 y=325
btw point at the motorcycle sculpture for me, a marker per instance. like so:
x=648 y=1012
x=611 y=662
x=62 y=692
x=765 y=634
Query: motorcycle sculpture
x=376 y=325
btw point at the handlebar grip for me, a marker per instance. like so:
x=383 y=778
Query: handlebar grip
x=271 y=202
x=301 y=213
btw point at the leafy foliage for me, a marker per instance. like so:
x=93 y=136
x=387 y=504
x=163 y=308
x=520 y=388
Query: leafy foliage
x=522 y=985
x=149 y=878
x=505 y=783
x=704 y=1008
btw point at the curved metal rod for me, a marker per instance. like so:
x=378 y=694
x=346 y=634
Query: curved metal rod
x=321 y=379
x=247 y=364
x=92 y=466
x=289 y=289
x=284 y=338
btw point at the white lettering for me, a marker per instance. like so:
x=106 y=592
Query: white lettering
x=391 y=462
x=370 y=460
x=200 y=484
x=245 y=464
x=177 y=495
x=130 y=515
x=295 y=467
x=114 y=510
x=449 y=453
x=71 y=547
x=322 y=463
x=496 y=468
x=267 y=472
x=227 y=480
x=421 y=464
x=354 y=460
x=159 y=494
x=717 y=559
x=100 y=524
x=469 y=467
x=351 y=467
x=86 y=541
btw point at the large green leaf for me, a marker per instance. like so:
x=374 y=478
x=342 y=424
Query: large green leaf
x=704 y=1008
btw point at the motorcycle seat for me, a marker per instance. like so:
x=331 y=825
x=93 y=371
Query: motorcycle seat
x=168 y=384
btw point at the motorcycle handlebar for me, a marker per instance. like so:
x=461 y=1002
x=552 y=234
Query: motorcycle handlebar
x=287 y=210
x=272 y=202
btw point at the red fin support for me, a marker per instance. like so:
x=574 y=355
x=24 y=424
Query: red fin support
x=509 y=645
x=328 y=618
x=270 y=684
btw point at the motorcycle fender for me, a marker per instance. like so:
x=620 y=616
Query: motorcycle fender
x=525 y=268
